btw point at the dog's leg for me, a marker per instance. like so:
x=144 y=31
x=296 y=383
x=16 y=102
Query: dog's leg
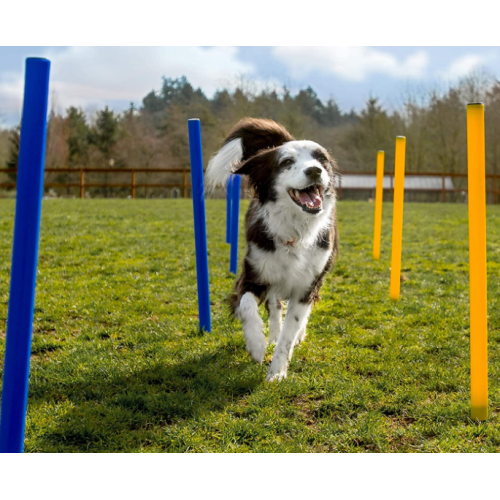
x=295 y=321
x=275 y=309
x=253 y=326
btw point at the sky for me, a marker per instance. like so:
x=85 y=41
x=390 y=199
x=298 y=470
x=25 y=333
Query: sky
x=91 y=77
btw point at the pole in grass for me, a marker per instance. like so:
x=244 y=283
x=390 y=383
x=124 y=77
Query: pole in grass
x=235 y=220
x=379 y=198
x=24 y=256
x=200 y=225
x=397 y=217
x=228 y=208
x=477 y=261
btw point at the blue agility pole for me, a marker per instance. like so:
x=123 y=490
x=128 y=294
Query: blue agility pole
x=200 y=225
x=228 y=209
x=24 y=256
x=235 y=222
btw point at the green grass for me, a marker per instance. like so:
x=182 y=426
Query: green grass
x=118 y=363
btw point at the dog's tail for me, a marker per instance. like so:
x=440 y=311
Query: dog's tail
x=250 y=136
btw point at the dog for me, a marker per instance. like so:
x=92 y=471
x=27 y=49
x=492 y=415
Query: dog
x=291 y=232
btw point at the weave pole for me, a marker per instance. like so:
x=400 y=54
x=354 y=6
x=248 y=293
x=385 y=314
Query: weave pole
x=235 y=222
x=24 y=256
x=228 y=209
x=397 y=217
x=477 y=261
x=379 y=198
x=200 y=224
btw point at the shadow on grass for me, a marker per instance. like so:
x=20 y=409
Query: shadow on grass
x=116 y=413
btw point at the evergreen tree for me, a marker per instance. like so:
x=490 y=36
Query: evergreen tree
x=14 y=139
x=131 y=111
x=153 y=103
x=374 y=131
x=78 y=137
x=332 y=116
x=222 y=102
x=105 y=132
x=13 y=157
x=310 y=104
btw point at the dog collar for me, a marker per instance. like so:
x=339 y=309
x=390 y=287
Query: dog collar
x=289 y=243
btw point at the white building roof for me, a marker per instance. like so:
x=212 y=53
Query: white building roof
x=417 y=182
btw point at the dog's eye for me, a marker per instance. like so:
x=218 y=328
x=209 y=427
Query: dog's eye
x=286 y=162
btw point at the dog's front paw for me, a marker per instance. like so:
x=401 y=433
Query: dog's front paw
x=257 y=349
x=300 y=337
x=273 y=376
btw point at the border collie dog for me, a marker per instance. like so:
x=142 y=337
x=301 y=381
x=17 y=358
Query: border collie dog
x=291 y=232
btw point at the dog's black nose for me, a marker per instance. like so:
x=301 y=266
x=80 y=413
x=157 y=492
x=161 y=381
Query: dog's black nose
x=314 y=173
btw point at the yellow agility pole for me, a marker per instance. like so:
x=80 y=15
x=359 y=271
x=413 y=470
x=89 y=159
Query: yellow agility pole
x=477 y=262
x=397 y=217
x=379 y=198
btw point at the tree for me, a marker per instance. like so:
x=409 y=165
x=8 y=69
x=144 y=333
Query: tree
x=332 y=116
x=105 y=132
x=375 y=130
x=78 y=137
x=492 y=128
x=14 y=139
x=309 y=104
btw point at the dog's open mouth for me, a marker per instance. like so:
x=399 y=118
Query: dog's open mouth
x=310 y=199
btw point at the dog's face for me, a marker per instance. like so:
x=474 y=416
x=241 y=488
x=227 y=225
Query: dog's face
x=298 y=175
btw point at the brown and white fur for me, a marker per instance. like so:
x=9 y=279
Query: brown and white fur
x=291 y=232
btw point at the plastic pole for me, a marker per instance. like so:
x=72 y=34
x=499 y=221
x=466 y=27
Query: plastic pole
x=228 y=209
x=200 y=225
x=379 y=198
x=397 y=217
x=24 y=256
x=477 y=262
x=235 y=222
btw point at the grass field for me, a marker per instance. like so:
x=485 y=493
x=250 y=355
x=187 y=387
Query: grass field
x=118 y=363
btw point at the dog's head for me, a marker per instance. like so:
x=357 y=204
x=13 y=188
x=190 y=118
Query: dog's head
x=298 y=173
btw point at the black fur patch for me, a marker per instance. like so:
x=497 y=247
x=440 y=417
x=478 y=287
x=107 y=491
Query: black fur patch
x=248 y=281
x=331 y=242
x=256 y=230
x=323 y=240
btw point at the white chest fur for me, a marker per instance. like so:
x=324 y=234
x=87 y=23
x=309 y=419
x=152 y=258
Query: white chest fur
x=290 y=270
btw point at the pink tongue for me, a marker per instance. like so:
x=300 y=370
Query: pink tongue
x=310 y=199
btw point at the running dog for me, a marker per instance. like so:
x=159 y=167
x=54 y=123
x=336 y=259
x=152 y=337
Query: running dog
x=291 y=232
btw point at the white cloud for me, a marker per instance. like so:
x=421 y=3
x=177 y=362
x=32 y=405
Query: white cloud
x=464 y=65
x=350 y=63
x=86 y=76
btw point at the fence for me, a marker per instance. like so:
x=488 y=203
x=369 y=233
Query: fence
x=83 y=183
x=444 y=185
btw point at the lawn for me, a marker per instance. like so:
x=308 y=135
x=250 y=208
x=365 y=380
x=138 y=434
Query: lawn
x=118 y=363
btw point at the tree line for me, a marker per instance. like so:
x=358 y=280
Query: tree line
x=154 y=134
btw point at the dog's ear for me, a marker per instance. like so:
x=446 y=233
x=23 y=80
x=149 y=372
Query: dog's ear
x=261 y=170
x=247 y=139
x=244 y=168
x=261 y=162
